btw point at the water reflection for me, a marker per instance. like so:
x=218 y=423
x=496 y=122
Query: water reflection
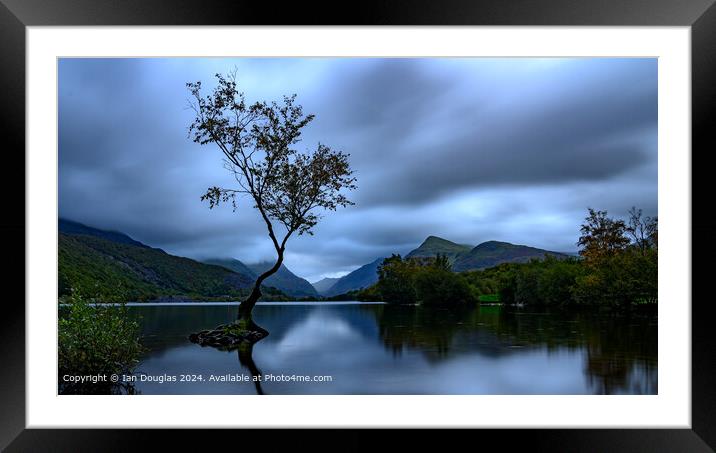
x=618 y=350
x=380 y=349
x=428 y=329
x=246 y=359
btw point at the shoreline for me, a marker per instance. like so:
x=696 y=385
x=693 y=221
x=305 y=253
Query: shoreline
x=234 y=303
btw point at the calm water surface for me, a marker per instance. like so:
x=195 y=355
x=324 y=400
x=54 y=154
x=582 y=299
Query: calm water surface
x=382 y=349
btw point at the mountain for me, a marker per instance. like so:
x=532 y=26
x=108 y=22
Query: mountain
x=324 y=284
x=285 y=280
x=434 y=245
x=111 y=270
x=492 y=253
x=487 y=254
x=234 y=265
x=77 y=229
x=362 y=277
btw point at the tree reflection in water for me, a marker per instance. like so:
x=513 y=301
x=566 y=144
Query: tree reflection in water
x=392 y=349
x=619 y=348
x=246 y=359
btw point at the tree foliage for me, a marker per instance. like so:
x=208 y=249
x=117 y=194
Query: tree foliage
x=618 y=269
x=623 y=259
x=258 y=144
x=601 y=237
x=95 y=340
x=438 y=286
x=428 y=281
x=396 y=280
x=257 y=141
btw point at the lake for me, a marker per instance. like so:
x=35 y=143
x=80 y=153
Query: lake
x=361 y=348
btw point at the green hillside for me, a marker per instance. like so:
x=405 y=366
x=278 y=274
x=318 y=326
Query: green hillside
x=75 y=228
x=114 y=271
x=492 y=253
x=434 y=245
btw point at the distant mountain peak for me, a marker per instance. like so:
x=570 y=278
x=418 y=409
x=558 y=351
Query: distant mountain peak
x=433 y=245
x=492 y=253
x=285 y=280
x=495 y=244
x=360 y=278
x=324 y=284
x=433 y=239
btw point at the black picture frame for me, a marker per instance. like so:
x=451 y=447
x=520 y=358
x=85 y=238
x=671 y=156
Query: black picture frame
x=16 y=15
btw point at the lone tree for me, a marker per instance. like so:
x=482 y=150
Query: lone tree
x=287 y=187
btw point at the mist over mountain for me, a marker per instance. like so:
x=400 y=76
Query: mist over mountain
x=232 y=264
x=285 y=280
x=324 y=284
x=71 y=227
x=91 y=254
x=362 y=277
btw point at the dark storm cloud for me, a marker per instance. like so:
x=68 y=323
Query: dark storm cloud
x=467 y=149
x=550 y=129
x=386 y=96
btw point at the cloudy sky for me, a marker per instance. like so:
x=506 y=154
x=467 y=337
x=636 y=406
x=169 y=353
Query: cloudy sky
x=469 y=149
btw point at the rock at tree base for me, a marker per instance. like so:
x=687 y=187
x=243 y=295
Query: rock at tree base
x=227 y=336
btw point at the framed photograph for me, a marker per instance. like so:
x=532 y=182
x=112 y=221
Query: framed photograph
x=379 y=221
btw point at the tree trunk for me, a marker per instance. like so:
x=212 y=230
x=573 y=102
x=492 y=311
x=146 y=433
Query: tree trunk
x=246 y=307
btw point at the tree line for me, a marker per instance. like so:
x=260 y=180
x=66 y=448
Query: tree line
x=617 y=266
